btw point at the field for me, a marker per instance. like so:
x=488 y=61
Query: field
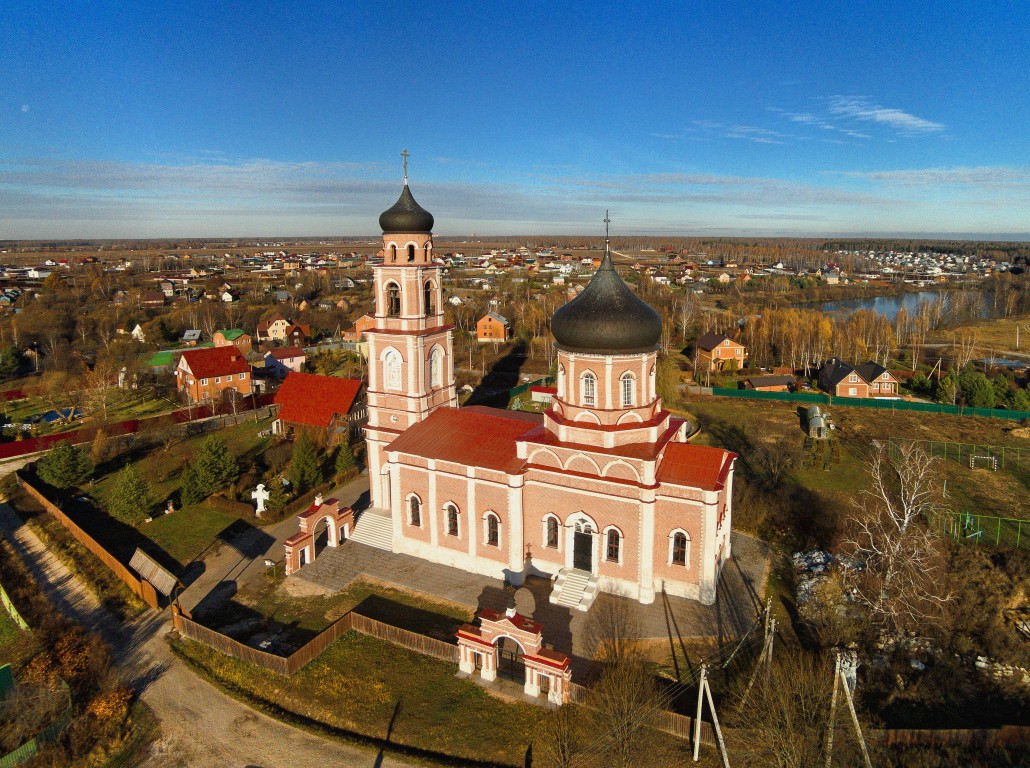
x=995 y=338
x=768 y=435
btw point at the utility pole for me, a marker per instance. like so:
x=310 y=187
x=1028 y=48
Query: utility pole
x=765 y=657
x=704 y=692
x=840 y=682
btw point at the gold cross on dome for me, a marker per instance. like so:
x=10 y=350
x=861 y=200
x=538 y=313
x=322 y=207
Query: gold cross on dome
x=405 y=154
x=607 y=221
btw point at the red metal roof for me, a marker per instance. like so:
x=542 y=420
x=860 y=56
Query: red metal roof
x=282 y=353
x=306 y=398
x=215 y=361
x=696 y=466
x=475 y=436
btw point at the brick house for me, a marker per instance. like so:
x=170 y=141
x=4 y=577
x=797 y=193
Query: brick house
x=332 y=406
x=866 y=380
x=273 y=329
x=203 y=374
x=718 y=352
x=232 y=337
x=362 y=324
x=281 y=360
x=493 y=327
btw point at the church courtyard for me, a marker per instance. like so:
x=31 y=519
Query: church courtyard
x=668 y=620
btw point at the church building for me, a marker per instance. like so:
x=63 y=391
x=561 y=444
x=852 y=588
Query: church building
x=602 y=492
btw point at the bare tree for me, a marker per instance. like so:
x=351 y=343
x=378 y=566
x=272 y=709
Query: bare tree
x=786 y=715
x=562 y=742
x=897 y=561
x=625 y=706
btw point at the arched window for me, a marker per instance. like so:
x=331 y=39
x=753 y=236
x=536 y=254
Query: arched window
x=651 y=384
x=393 y=369
x=427 y=298
x=428 y=250
x=415 y=511
x=679 y=548
x=452 y=519
x=627 y=389
x=589 y=390
x=561 y=382
x=493 y=530
x=552 y=533
x=393 y=300
x=393 y=253
x=436 y=368
x=613 y=546
x=411 y=251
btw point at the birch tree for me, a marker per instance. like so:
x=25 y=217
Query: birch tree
x=897 y=561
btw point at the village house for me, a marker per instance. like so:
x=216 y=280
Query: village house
x=866 y=380
x=275 y=328
x=718 y=352
x=493 y=327
x=191 y=338
x=361 y=325
x=204 y=374
x=232 y=337
x=281 y=360
x=333 y=408
x=770 y=383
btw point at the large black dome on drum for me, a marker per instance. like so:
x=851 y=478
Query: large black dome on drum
x=406 y=217
x=607 y=317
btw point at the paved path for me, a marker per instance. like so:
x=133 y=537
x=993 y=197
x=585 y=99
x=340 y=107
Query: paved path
x=228 y=566
x=200 y=726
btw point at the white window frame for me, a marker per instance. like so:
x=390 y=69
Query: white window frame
x=218 y=379
x=447 y=520
x=203 y=382
x=486 y=529
x=558 y=538
x=604 y=545
x=413 y=497
x=588 y=400
x=630 y=379
x=672 y=545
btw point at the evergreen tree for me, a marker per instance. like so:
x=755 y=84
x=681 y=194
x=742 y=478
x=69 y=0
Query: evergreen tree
x=980 y=393
x=10 y=362
x=215 y=466
x=65 y=466
x=947 y=390
x=192 y=489
x=131 y=498
x=305 y=467
x=344 y=459
x=277 y=496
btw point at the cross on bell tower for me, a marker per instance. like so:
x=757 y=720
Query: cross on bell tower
x=405 y=154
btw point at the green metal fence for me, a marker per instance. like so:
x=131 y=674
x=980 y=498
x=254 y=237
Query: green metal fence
x=521 y=388
x=872 y=402
x=9 y=606
x=968 y=454
x=971 y=528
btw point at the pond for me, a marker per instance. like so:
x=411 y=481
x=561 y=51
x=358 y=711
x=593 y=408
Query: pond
x=888 y=306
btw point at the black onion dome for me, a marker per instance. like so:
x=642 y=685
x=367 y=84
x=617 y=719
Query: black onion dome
x=406 y=216
x=607 y=317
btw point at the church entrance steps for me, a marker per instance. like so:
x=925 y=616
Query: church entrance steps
x=574 y=589
x=374 y=528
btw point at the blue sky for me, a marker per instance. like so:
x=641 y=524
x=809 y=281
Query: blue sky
x=761 y=118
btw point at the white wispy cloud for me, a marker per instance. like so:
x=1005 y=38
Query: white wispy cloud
x=861 y=108
x=984 y=177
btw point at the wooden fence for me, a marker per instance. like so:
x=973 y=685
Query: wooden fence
x=148 y=596
x=1005 y=736
x=289 y=665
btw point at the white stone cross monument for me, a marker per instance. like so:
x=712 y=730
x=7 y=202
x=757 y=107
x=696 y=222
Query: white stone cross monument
x=260 y=495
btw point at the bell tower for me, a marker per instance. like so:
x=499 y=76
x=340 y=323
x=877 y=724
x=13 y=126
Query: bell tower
x=410 y=349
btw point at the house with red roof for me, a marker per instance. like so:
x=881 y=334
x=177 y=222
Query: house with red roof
x=204 y=374
x=281 y=360
x=329 y=406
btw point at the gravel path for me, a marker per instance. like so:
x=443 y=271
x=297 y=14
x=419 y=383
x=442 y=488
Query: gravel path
x=200 y=726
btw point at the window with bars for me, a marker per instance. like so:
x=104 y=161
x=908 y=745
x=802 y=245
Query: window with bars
x=452 y=520
x=552 y=533
x=680 y=548
x=415 y=511
x=493 y=531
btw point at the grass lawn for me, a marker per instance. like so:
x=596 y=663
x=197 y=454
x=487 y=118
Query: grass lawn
x=187 y=532
x=10 y=635
x=303 y=617
x=993 y=336
x=775 y=425
x=358 y=683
